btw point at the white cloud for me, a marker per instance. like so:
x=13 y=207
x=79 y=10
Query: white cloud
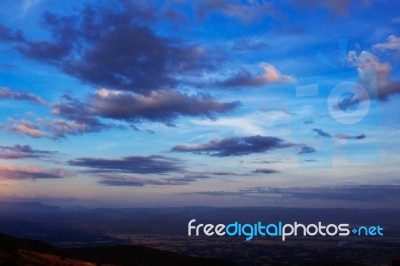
x=392 y=43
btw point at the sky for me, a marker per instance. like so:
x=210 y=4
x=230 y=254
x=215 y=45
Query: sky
x=215 y=103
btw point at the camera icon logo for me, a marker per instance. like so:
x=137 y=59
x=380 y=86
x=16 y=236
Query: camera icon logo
x=341 y=102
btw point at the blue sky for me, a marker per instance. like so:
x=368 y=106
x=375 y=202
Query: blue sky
x=221 y=103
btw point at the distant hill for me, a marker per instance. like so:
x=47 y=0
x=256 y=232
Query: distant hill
x=24 y=252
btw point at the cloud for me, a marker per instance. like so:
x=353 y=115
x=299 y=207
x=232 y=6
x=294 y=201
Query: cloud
x=29 y=172
x=6 y=93
x=322 y=133
x=244 y=11
x=244 y=78
x=362 y=193
x=338 y=8
x=246 y=44
x=80 y=117
x=8 y=35
x=53 y=128
x=265 y=171
x=59 y=128
x=373 y=75
x=236 y=146
x=345 y=136
x=392 y=43
x=306 y=150
x=23 y=127
x=125 y=180
x=136 y=164
x=21 y=152
x=160 y=106
x=186 y=179
x=114 y=48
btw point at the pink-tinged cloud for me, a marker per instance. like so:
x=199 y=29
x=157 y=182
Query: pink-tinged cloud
x=13 y=172
x=392 y=43
x=269 y=75
x=23 y=127
x=374 y=75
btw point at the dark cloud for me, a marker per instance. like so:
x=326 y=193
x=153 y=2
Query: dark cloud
x=265 y=171
x=345 y=136
x=29 y=172
x=306 y=149
x=115 y=48
x=22 y=151
x=153 y=164
x=309 y=121
x=221 y=173
x=236 y=146
x=6 y=93
x=390 y=89
x=161 y=106
x=338 y=136
x=268 y=162
x=374 y=77
x=128 y=181
x=322 y=133
x=9 y=35
x=244 y=78
x=188 y=178
x=80 y=117
x=381 y=193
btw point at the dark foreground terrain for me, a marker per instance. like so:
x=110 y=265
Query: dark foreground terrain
x=158 y=236
x=16 y=251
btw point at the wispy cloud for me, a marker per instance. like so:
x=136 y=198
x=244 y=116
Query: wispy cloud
x=6 y=93
x=381 y=193
x=29 y=172
x=23 y=127
x=245 y=11
x=22 y=151
x=130 y=181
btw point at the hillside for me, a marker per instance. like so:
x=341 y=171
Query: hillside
x=16 y=251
